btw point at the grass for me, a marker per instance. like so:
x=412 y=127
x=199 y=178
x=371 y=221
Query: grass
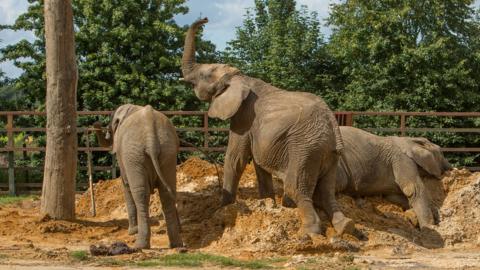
x=200 y=259
x=3 y=256
x=79 y=255
x=8 y=199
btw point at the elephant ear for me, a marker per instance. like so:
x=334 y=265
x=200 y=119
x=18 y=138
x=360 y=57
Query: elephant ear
x=227 y=103
x=119 y=116
x=423 y=153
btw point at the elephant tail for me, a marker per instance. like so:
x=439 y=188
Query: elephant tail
x=160 y=175
x=152 y=147
x=339 y=146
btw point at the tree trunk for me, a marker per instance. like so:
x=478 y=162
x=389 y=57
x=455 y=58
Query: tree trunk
x=58 y=193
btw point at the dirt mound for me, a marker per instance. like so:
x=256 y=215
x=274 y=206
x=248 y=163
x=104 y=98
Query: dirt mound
x=198 y=168
x=262 y=225
x=460 y=212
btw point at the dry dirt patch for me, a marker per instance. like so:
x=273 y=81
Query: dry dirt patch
x=251 y=227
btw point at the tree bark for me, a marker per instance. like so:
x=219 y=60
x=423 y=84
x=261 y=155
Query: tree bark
x=58 y=193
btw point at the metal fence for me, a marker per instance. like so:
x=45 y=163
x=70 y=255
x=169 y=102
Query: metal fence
x=400 y=121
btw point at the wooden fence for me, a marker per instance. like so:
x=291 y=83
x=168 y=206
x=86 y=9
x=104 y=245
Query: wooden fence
x=400 y=120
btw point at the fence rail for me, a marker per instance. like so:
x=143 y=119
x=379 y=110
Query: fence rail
x=343 y=118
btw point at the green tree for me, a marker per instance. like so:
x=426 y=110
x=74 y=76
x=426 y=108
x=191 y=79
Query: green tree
x=410 y=56
x=282 y=45
x=28 y=56
x=128 y=51
x=407 y=55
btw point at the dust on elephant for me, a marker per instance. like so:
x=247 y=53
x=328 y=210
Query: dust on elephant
x=275 y=128
x=391 y=166
x=146 y=145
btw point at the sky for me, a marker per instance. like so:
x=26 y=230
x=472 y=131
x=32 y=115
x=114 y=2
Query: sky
x=224 y=16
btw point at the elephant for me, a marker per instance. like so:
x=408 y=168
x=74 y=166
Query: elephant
x=390 y=166
x=275 y=128
x=146 y=145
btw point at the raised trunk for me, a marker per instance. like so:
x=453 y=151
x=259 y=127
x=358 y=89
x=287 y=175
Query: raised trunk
x=58 y=192
x=188 y=59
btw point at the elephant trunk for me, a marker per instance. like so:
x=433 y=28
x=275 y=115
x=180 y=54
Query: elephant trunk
x=188 y=59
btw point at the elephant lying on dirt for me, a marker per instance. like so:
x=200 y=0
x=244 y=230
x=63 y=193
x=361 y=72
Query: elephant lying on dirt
x=391 y=166
x=146 y=145
x=274 y=127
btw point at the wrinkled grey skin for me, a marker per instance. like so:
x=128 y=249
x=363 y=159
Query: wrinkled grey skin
x=146 y=145
x=391 y=166
x=274 y=127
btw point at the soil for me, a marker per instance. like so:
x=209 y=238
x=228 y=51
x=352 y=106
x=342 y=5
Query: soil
x=254 y=228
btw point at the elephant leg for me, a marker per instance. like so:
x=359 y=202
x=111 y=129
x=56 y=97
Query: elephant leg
x=326 y=196
x=299 y=185
x=236 y=159
x=415 y=192
x=169 y=207
x=407 y=178
x=398 y=199
x=131 y=208
x=140 y=189
x=171 y=219
x=265 y=182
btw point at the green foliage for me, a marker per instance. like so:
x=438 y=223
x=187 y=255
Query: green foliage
x=7 y=199
x=128 y=52
x=28 y=56
x=283 y=46
x=409 y=56
x=79 y=255
x=201 y=259
x=406 y=55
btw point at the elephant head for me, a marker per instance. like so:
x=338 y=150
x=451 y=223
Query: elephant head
x=425 y=154
x=117 y=117
x=215 y=83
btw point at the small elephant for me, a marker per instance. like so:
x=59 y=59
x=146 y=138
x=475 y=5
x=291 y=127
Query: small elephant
x=146 y=145
x=391 y=166
x=275 y=128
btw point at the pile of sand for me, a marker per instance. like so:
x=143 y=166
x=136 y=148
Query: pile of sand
x=262 y=225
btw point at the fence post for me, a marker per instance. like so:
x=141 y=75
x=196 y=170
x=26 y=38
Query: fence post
x=11 y=160
x=114 y=166
x=205 y=130
x=349 y=119
x=402 y=125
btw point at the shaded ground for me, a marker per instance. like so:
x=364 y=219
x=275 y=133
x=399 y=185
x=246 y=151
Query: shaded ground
x=254 y=229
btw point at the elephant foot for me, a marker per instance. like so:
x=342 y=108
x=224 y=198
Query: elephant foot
x=132 y=230
x=142 y=244
x=308 y=229
x=288 y=202
x=227 y=198
x=342 y=224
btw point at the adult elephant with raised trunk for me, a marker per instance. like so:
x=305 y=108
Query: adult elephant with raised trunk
x=146 y=145
x=287 y=133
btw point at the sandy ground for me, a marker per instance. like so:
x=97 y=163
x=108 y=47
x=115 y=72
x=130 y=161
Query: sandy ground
x=254 y=228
